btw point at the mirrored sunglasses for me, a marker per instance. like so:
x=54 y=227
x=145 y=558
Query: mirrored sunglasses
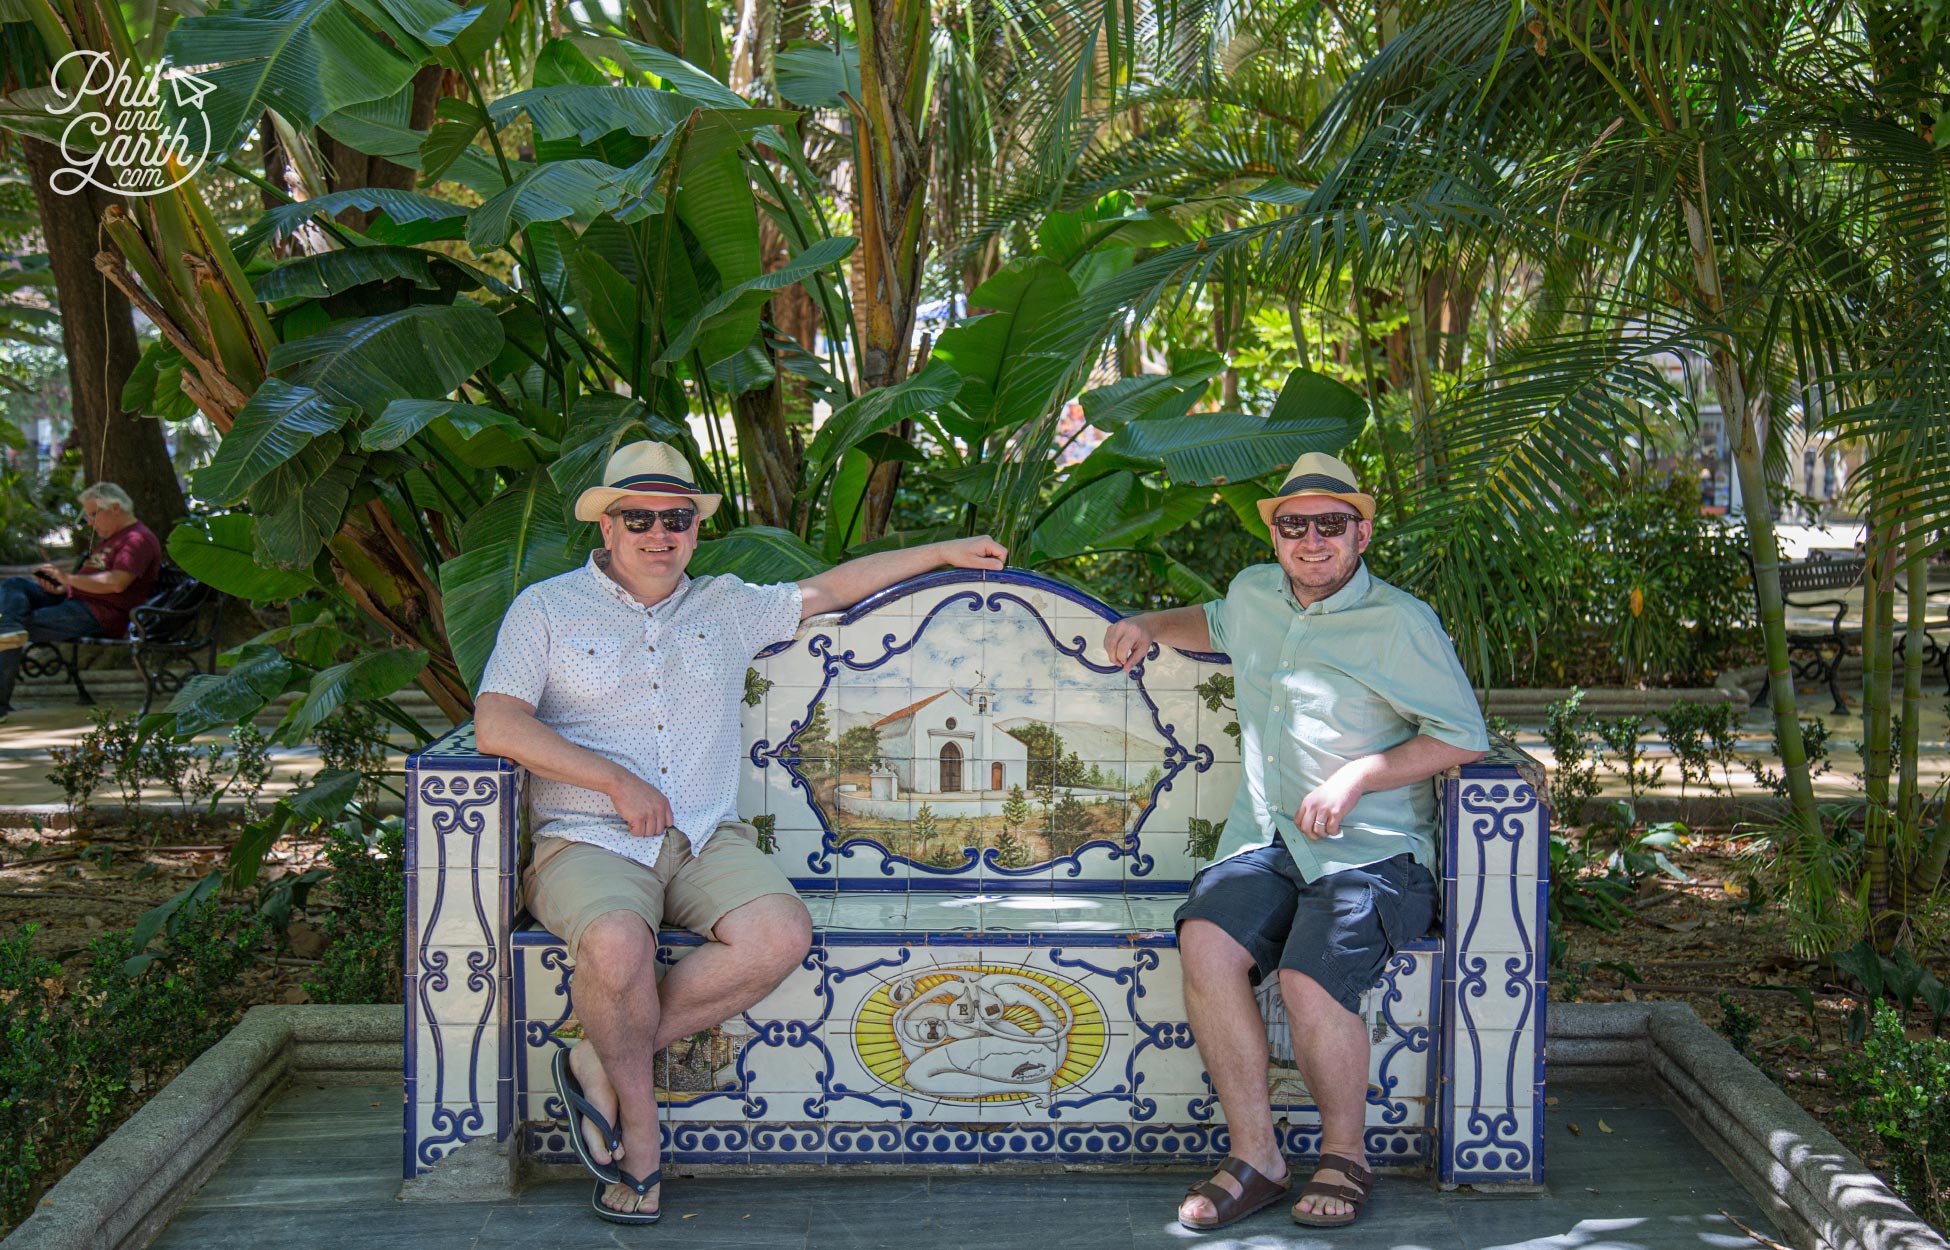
x=639 y=520
x=1330 y=525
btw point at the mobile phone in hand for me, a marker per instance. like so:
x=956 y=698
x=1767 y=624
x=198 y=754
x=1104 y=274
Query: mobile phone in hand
x=47 y=579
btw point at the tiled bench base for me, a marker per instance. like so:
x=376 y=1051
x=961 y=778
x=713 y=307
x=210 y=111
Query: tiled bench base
x=1094 y=1048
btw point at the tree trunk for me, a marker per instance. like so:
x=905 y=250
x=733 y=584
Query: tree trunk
x=347 y=168
x=98 y=333
x=895 y=138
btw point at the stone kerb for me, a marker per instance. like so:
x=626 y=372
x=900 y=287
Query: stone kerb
x=899 y=764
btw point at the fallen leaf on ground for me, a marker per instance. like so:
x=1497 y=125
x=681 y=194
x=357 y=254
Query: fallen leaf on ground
x=1550 y=1102
x=1604 y=1127
x=691 y=1216
x=1575 y=1130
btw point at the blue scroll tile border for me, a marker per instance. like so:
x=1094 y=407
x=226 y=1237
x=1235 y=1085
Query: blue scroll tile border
x=1480 y=1143
x=462 y=789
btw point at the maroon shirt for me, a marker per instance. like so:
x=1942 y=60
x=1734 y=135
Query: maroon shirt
x=135 y=549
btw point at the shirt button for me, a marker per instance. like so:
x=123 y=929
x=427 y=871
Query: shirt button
x=653 y=685
x=663 y=770
x=1269 y=759
x=653 y=648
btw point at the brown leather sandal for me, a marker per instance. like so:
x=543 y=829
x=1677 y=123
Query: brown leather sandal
x=1256 y=1193
x=1355 y=1193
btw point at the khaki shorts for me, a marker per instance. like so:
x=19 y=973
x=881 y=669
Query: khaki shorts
x=570 y=884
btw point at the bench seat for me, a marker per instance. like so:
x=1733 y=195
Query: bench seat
x=964 y=1006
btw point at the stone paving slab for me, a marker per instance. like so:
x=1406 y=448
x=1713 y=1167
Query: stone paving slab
x=320 y=1167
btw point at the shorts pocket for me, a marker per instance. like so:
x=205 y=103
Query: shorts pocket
x=1405 y=906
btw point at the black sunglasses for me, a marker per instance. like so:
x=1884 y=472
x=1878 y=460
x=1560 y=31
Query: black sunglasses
x=1330 y=525
x=639 y=520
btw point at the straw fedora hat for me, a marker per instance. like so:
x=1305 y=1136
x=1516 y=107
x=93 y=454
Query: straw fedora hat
x=645 y=468
x=1318 y=473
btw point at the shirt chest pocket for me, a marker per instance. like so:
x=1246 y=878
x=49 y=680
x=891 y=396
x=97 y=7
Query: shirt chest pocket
x=595 y=667
x=1328 y=707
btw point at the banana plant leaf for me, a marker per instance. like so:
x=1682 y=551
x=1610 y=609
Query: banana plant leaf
x=219 y=552
x=213 y=700
x=1010 y=369
x=323 y=800
x=813 y=75
x=925 y=391
x=664 y=66
x=330 y=273
x=404 y=418
x=759 y=554
x=374 y=675
x=1150 y=395
x=1072 y=527
x=598 y=426
x=586 y=112
x=302 y=502
x=414 y=218
x=732 y=317
x=305 y=59
x=580 y=190
x=280 y=420
x=1313 y=413
x=521 y=537
x=421 y=352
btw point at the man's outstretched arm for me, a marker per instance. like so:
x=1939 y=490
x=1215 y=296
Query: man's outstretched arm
x=508 y=727
x=844 y=585
x=1127 y=641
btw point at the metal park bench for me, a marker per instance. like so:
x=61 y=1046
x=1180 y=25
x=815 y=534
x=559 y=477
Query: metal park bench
x=947 y=861
x=1821 y=585
x=167 y=635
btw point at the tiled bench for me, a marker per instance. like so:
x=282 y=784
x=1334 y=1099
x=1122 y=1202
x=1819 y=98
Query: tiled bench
x=1039 y=902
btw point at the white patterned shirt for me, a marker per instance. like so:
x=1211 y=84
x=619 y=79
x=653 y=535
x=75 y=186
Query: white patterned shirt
x=654 y=689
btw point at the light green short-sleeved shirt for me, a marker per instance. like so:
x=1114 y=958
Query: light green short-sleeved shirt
x=1358 y=673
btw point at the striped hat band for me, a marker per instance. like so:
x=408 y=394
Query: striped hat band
x=636 y=481
x=1317 y=481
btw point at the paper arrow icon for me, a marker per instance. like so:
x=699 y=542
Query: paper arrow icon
x=189 y=90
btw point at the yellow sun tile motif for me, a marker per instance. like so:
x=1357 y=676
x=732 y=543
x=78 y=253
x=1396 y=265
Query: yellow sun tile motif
x=982 y=1032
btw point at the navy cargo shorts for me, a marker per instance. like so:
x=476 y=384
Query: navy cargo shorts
x=1339 y=930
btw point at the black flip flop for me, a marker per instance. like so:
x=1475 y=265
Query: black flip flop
x=579 y=1107
x=642 y=1188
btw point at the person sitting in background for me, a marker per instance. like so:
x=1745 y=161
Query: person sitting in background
x=54 y=605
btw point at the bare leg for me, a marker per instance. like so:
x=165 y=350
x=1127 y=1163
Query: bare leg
x=753 y=948
x=616 y=1001
x=1330 y=1047
x=1231 y=1038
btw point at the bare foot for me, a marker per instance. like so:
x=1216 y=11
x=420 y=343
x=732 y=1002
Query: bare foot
x=1197 y=1208
x=601 y=1094
x=643 y=1149
x=1321 y=1204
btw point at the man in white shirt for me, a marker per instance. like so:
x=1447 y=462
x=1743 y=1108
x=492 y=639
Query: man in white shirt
x=617 y=687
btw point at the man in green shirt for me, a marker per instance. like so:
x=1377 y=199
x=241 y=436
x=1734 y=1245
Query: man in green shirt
x=1350 y=700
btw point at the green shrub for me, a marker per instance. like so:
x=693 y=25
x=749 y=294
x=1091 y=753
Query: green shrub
x=1574 y=766
x=1900 y=1091
x=79 y=1059
x=366 y=897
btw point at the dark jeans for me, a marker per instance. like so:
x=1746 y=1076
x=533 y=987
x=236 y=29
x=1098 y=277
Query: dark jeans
x=46 y=616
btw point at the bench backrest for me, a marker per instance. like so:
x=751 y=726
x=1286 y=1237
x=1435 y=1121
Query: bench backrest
x=1802 y=577
x=176 y=611
x=962 y=731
